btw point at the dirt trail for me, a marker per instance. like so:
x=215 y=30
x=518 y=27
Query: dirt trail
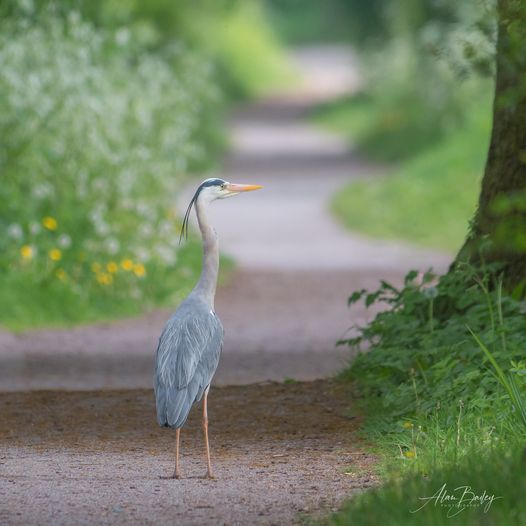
x=279 y=452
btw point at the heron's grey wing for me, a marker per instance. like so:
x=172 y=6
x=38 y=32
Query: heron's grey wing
x=187 y=358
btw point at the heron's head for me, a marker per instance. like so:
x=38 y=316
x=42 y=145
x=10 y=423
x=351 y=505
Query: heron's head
x=210 y=190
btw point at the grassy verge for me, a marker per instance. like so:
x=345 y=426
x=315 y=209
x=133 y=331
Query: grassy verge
x=486 y=489
x=429 y=199
x=382 y=130
x=444 y=405
x=28 y=302
x=429 y=196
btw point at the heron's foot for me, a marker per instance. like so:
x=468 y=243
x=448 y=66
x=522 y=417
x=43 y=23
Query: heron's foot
x=209 y=475
x=171 y=477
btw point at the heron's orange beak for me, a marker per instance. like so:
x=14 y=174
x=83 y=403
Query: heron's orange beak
x=242 y=187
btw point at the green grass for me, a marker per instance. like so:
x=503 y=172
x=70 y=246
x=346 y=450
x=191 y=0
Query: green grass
x=500 y=474
x=428 y=199
x=436 y=150
x=27 y=301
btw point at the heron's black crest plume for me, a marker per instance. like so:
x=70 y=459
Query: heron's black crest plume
x=184 y=227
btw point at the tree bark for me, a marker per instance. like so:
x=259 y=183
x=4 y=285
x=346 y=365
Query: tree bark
x=498 y=230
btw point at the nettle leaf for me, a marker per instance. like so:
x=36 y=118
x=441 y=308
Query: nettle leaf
x=446 y=364
x=371 y=298
x=355 y=297
x=388 y=286
x=428 y=277
x=410 y=276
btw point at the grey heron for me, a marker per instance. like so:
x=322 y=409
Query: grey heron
x=191 y=341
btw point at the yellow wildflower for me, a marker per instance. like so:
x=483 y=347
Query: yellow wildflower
x=407 y=425
x=127 y=264
x=50 y=223
x=61 y=274
x=27 y=252
x=139 y=270
x=104 y=278
x=55 y=254
x=95 y=267
x=112 y=267
x=409 y=454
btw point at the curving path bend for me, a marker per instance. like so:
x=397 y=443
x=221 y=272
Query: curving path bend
x=286 y=305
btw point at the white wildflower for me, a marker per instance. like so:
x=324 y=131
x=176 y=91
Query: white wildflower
x=112 y=245
x=35 y=228
x=15 y=231
x=64 y=241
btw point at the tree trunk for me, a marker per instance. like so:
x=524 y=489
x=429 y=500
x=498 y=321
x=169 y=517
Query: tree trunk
x=498 y=230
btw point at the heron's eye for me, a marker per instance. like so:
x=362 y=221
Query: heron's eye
x=223 y=186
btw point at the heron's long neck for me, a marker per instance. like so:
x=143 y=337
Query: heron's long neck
x=206 y=286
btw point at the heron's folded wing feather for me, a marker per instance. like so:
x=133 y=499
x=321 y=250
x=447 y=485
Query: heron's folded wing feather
x=189 y=340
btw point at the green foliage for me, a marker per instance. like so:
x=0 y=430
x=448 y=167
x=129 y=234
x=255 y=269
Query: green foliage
x=249 y=55
x=312 y=21
x=430 y=198
x=507 y=381
x=426 y=107
x=422 y=354
x=234 y=34
x=413 y=76
x=97 y=136
x=364 y=24
x=397 y=121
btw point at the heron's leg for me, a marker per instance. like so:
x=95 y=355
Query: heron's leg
x=177 y=472
x=209 y=473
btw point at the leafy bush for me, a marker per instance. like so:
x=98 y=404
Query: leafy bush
x=96 y=137
x=421 y=353
x=235 y=34
x=395 y=120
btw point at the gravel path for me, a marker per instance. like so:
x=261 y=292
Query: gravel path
x=95 y=457
x=86 y=453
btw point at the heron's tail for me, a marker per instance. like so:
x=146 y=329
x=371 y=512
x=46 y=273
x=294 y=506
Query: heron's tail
x=173 y=405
